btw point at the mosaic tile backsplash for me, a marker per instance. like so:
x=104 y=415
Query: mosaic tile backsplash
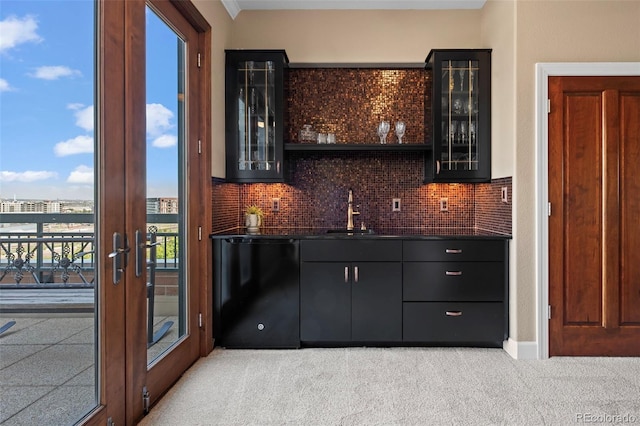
x=351 y=102
x=316 y=196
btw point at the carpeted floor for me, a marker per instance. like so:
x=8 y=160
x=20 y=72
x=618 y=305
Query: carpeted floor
x=400 y=386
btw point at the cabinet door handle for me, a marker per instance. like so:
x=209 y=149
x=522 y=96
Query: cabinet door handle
x=453 y=273
x=453 y=313
x=355 y=273
x=453 y=251
x=437 y=167
x=346 y=274
x=277 y=167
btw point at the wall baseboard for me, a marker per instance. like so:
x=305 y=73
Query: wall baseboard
x=521 y=350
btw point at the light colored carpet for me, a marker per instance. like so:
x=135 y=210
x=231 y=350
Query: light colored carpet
x=400 y=386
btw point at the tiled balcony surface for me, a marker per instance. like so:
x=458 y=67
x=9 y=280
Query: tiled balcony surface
x=47 y=367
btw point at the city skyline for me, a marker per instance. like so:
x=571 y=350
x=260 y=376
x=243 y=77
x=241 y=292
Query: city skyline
x=47 y=106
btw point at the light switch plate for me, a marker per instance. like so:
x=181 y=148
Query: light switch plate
x=504 y=194
x=395 y=205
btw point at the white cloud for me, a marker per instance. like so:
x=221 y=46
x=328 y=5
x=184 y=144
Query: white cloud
x=54 y=72
x=165 y=141
x=15 y=31
x=5 y=86
x=78 y=145
x=158 y=119
x=27 y=176
x=81 y=175
x=84 y=116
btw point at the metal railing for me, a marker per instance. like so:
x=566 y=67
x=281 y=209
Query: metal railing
x=42 y=250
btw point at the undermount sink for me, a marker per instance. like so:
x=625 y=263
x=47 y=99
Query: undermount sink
x=352 y=231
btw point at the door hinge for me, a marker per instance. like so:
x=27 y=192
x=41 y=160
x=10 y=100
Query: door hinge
x=145 y=399
x=549 y=312
x=199 y=60
x=199 y=233
x=549 y=209
x=200 y=319
x=548 y=106
x=199 y=146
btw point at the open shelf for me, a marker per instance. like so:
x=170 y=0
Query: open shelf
x=314 y=147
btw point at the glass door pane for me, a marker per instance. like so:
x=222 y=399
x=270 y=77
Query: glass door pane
x=460 y=115
x=256 y=115
x=48 y=281
x=166 y=238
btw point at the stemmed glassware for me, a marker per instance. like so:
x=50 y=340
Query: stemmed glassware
x=461 y=73
x=472 y=133
x=383 y=130
x=400 y=128
x=463 y=131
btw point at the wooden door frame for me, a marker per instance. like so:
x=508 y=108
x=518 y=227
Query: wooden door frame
x=543 y=72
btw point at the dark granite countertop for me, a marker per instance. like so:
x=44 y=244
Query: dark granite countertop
x=383 y=233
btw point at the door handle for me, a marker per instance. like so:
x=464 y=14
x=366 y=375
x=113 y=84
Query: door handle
x=346 y=274
x=141 y=251
x=119 y=261
x=355 y=274
x=437 y=167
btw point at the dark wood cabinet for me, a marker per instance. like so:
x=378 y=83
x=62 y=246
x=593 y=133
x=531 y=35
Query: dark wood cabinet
x=455 y=292
x=272 y=292
x=461 y=116
x=254 y=128
x=351 y=291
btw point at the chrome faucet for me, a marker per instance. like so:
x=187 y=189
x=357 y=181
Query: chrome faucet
x=350 y=212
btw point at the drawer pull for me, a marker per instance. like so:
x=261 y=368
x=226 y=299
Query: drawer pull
x=453 y=251
x=453 y=313
x=453 y=273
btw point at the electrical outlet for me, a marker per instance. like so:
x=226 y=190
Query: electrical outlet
x=395 y=205
x=275 y=204
x=504 y=194
x=444 y=204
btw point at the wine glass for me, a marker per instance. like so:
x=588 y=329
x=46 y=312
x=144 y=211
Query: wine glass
x=452 y=132
x=400 y=128
x=383 y=129
x=463 y=131
x=461 y=73
x=472 y=133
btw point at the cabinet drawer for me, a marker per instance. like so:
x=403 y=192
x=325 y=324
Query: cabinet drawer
x=350 y=250
x=453 y=281
x=464 y=323
x=454 y=250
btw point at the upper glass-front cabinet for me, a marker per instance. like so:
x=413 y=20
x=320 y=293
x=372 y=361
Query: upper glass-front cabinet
x=255 y=115
x=461 y=108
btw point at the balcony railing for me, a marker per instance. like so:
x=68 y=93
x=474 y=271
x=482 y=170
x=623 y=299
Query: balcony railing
x=58 y=250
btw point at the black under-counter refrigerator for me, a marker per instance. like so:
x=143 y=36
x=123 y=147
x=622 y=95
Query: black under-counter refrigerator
x=256 y=292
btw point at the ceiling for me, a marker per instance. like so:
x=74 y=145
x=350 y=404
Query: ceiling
x=236 y=6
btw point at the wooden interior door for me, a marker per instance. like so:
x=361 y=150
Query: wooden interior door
x=594 y=226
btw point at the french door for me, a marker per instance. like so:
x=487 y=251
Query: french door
x=152 y=233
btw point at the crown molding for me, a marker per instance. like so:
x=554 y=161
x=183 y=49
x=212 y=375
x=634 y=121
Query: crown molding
x=234 y=7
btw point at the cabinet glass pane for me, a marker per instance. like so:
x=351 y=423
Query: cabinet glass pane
x=256 y=115
x=459 y=115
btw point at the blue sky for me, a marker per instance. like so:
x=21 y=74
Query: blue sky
x=46 y=101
